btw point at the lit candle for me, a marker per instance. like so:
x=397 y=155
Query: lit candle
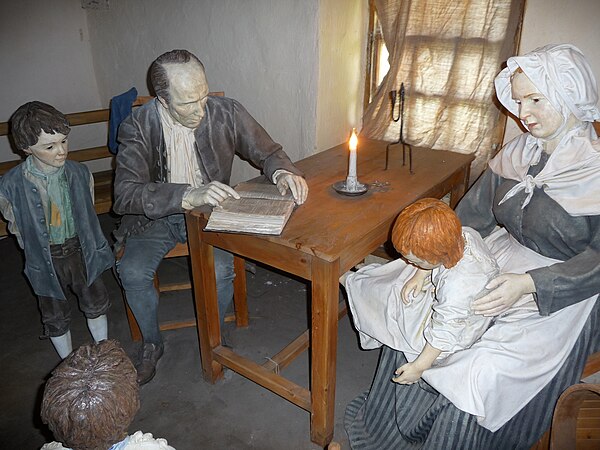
x=351 y=179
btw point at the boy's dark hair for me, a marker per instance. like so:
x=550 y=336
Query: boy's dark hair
x=27 y=123
x=158 y=73
x=92 y=397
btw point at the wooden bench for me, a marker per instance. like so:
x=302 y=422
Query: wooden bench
x=103 y=180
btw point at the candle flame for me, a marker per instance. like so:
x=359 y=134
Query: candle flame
x=353 y=140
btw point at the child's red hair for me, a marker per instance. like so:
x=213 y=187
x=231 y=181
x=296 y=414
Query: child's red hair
x=431 y=231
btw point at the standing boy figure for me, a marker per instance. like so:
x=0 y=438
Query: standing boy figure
x=48 y=203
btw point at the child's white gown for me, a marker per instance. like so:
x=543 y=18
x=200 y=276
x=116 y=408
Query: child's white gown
x=440 y=315
x=512 y=361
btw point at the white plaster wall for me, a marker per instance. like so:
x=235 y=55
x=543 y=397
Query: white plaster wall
x=46 y=56
x=298 y=66
x=559 y=21
x=342 y=46
x=261 y=52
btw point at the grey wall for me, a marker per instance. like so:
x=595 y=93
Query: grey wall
x=558 y=21
x=46 y=56
x=297 y=65
x=342 y=59
x=262 y=52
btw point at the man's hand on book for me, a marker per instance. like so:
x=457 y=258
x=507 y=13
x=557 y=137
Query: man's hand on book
x=296 y=184
x=211 y=194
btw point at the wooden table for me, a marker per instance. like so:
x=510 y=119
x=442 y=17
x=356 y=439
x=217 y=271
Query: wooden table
x=324 y=238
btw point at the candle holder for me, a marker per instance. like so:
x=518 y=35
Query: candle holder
x=350 y=187
x=393 y=95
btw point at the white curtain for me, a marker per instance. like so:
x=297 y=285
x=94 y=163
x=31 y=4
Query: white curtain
x=447 y=53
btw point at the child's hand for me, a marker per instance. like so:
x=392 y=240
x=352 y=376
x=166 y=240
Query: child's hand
x=414 y=285
x=409 y=373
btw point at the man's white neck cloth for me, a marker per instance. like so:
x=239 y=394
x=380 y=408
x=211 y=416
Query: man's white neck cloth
x=181 y=155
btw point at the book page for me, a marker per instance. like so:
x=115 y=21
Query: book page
x=262 y=190
x=255 y=207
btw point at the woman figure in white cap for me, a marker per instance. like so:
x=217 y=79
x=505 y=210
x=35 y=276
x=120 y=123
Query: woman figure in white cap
x=538 y=208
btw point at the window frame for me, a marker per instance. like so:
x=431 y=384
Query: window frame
x=374 y=46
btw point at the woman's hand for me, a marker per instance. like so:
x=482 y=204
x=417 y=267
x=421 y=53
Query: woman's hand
x=414 y=285
x=506 y=290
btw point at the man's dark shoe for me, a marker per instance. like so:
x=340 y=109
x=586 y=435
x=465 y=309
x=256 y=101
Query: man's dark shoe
x=146 y=366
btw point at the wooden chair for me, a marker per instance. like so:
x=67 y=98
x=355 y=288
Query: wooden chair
x=564 y=425
x=576 y=420
x=239 y=296
x=239 y=283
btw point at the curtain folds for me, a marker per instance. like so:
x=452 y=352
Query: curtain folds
x=447 y=54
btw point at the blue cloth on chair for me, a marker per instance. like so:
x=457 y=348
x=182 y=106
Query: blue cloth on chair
x=120 y=108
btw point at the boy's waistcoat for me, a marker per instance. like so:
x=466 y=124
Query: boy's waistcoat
x=31 y=221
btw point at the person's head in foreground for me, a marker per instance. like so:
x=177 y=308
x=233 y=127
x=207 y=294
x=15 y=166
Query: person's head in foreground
x=428 y=233
x=92 y=397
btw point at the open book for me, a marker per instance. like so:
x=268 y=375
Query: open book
x=260 y=210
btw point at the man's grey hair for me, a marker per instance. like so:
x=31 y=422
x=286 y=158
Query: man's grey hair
x=158 y=73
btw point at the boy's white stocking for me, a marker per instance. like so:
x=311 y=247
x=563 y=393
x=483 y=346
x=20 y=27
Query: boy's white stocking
x=98 y=327
x=62 y=344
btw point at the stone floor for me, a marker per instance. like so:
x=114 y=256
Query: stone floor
x=178 y=404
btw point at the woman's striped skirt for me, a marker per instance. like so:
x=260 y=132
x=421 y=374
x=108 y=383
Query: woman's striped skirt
x=394 y=416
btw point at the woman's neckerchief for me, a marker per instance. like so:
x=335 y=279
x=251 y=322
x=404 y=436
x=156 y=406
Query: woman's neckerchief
x=571 y=176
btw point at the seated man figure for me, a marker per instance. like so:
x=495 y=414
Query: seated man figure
x=176 y=153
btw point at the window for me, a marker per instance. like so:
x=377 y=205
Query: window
x=447 y=55
x=377 y=64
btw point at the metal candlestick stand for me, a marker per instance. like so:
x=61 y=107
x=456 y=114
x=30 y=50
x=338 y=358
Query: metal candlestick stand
x=394 y=94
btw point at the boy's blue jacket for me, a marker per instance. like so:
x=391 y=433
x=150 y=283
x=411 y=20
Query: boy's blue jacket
x=29 y=217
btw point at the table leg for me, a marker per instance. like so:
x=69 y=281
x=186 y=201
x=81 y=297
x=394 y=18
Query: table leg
x=240 y=297
x=458 y=190
x=324 y=326
x=205 y=298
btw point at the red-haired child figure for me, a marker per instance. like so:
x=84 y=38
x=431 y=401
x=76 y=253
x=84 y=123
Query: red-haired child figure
x=423 y=309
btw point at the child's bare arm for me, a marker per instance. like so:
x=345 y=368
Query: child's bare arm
x=414 y=285
x=411 y=372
